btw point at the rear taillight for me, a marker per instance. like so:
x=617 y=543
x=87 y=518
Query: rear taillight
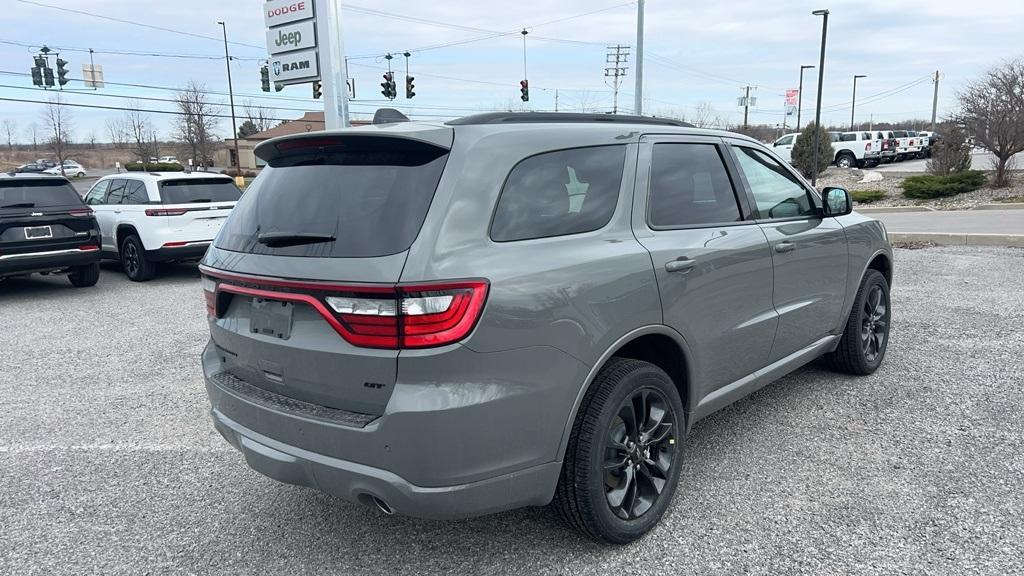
x=80 y=212
x=374 y=316
x=165 y=211
x=867 y=147
x=88 y=248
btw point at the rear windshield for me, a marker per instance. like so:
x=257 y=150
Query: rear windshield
x=198 y=190
x=358 y=201
x=18 y=193
x=899 y=134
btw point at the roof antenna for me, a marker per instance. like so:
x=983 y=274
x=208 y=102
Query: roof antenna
x=388 y=115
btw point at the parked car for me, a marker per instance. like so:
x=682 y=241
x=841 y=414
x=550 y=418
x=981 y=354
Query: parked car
x=856 y=149
x=30 y=168
x=71 y=170
x=46 y=163
x=907 y=146
x=147 y=218
x=889 y=145
x=510 y=309
x=169 y=160
x=46 y=229
x=922 y=142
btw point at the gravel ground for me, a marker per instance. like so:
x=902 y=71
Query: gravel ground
x=850 y=178
x=109 y=463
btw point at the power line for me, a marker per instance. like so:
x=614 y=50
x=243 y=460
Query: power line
x=55 y=48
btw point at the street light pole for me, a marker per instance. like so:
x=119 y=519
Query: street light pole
x=638 y=65
x=231 y=97
x=821 y=80
x=800 y=96
x=853 y=104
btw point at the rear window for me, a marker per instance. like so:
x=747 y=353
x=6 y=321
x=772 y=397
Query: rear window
x=195 y=190
x=899 y=134
x=367 y=198
x=25 y=193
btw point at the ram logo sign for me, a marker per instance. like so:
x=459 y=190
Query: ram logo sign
x=295 y=67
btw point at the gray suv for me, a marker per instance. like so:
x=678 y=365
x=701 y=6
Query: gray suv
x=516 y=309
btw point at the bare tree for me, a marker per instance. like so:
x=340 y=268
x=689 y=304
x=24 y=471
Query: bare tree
x=92 y=139
x=140 y=132
x=57 y=119
x=32 y=132
x=117 y=132
x=992 y=110
x=704 y=116
x=262 y=117
x=197 y=120
x=9 y=128
x=951 y=153
x=587 y=101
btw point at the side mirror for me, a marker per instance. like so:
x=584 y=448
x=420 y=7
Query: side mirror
x=836 y=201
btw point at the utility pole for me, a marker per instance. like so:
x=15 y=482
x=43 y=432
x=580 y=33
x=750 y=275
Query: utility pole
x=800 y=96
x=746 y=107
x=556 y=99
x=935 y=100
x=231 y=97
x=821 y=80
x=638 y=92
x=853 y=103
x=617 y=56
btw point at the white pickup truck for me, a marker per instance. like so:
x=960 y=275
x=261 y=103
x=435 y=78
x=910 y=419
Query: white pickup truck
x=907 y=146
x=852 y=149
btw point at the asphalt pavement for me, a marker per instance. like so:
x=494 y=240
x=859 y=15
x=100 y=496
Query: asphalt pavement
x=109 y=463
x=980 y=160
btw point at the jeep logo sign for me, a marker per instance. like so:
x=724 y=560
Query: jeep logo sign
x=294 y=66
x=296 y=36
x=277 y=12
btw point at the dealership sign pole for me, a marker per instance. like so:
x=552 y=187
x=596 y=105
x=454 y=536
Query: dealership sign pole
x=305 y=45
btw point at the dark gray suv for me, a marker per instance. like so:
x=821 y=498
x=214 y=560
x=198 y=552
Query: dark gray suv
x=448 y=320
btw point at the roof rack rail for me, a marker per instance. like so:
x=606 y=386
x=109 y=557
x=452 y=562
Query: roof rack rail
x=562 y=117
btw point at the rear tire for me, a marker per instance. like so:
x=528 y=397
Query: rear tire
x=85 y=276
x=133 y=260
x=846 y=161
x=618 y=478
x=866 y=336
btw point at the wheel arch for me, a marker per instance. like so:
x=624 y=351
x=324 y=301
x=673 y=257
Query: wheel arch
x=123 y=231
x=656 y=343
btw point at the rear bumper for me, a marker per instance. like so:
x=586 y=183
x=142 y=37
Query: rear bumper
x=188 y=251
x=448 y=445
x=27 y=263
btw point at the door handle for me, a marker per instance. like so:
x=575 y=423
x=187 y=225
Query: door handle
x=785 y=247
x=681 y=265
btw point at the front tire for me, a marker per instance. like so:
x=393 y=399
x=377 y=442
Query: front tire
x=866 y=336
x=623 y=459
x=133 y=260
x=85 y=276
x=845 y=161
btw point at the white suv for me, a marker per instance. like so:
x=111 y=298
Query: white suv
x=153 y=217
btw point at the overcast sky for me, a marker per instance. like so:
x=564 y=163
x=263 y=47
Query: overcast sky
x=697 y=52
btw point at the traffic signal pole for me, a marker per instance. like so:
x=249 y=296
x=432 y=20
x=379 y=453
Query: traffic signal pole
x=332 y=63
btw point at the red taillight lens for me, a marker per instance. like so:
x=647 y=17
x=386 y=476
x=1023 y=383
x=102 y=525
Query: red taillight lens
x=80 y=212
x=867 y=147
x=88 y=248
x=439 y=314
x=165 y=211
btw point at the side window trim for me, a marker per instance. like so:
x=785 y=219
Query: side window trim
x=748 y=192
x=738 y=194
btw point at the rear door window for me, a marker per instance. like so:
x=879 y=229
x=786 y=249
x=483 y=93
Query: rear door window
x=135 y=193
x=116 y=191
x=365 y=198
x=32 y=193
x=559 y=193
x=690 y=186
x=196 y=190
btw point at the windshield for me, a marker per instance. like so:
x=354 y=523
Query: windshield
x=17 y=193
x=364 y=202
x=195 y=190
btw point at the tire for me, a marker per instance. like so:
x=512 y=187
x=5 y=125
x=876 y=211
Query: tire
x=133 y=260
x=846 y=161
x=586 y=489
x=866 y=335
x=80 y=175
x=85 y=276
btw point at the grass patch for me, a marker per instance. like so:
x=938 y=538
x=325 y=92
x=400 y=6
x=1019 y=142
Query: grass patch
x=930 y=186
x=867 y=196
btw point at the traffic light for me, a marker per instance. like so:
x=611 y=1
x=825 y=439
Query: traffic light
x=62 y=71
x=524 y=89
x=265 y=78
x=37 y=76
x=48 y=76
x=388 y=88
x=409 y=86
x=317 y=92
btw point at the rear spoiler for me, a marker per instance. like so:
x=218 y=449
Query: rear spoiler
x=398 y=135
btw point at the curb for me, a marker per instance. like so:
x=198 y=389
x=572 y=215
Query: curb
x=893 y=209
x=960 y=239
x=1001 y=206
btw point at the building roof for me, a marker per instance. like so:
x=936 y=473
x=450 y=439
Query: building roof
x=310 y=122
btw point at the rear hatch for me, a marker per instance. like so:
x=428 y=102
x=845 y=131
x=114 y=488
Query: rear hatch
x=196 y=208
x=43 y=215
x=301 y=281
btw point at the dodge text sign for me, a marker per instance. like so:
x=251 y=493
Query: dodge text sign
x=294 y=67
x=277 y=12
x=298 y=36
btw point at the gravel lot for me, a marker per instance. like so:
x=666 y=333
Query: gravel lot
x=109 y=463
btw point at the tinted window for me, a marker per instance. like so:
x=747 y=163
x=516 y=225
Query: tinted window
x=785 y=140
x=135 y=193
x=198 y=190
x=777 y=192
x=558 y=193
x=371 y=195
x=848 y=137
x=116 y=192
x=899 y=134
x=25 y=193
x=690 y=185
x=98 y=192
x=865 y=135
